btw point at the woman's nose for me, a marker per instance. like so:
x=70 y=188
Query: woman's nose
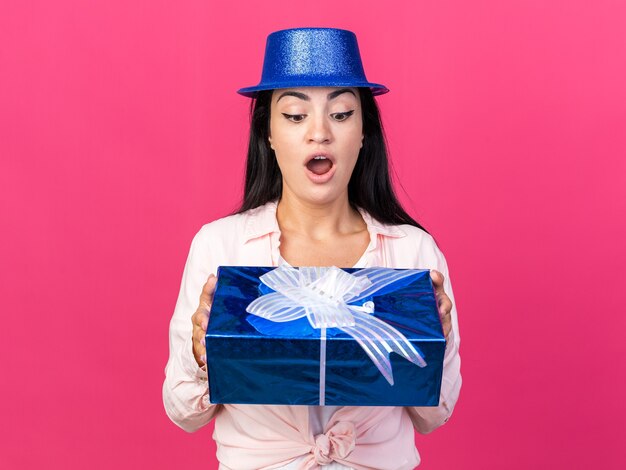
x=319 y=130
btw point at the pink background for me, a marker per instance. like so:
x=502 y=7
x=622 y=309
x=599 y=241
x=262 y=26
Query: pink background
x=121 y=134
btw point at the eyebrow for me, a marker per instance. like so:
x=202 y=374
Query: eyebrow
x=336 y=93
x=302 y=96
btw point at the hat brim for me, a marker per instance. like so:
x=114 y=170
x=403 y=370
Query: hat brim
x=251 y=92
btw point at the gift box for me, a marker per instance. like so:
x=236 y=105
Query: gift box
x=324 y=336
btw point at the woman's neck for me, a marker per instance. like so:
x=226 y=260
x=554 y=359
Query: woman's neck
x=318 y=221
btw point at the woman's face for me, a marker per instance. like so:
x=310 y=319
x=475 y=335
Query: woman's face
x=316 y=134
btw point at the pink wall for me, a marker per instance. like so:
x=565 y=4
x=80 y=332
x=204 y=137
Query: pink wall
x=121 y=134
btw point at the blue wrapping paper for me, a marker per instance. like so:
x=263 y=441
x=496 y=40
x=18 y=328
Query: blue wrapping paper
x=253 y=360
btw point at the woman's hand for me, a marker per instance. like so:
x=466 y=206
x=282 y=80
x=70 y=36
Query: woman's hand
x=443 y=302
x=200 y=320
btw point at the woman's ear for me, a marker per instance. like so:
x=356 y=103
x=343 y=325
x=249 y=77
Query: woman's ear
x=269 y=138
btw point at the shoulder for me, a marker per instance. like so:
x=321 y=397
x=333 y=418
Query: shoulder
x=413 y=234
x=225 y=238
x=228 y=226
x=404 y=235
x=238 y=227
x=414 y=247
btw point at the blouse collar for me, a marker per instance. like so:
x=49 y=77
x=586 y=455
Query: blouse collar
x=262 y=221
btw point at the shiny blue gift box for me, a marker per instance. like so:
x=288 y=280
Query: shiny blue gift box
x=253 y=360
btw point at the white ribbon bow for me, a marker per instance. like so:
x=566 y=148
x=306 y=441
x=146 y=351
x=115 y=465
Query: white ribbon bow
x=323 y=295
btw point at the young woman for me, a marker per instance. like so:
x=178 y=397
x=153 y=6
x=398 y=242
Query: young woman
x=317 y=193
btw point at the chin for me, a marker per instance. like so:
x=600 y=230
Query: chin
x=323 y=197
x=309 y=193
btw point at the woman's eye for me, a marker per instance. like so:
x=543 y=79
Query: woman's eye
x=342 y=116
x=294 y=117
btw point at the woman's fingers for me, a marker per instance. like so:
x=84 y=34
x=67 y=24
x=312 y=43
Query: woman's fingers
x=443 y=302
x=206 y=297
x=200 y=320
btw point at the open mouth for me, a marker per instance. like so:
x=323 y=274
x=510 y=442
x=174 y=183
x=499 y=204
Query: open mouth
x=320 y=165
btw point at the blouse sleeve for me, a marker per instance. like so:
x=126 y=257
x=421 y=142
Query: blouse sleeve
x=185 y=390
x=427 y=419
